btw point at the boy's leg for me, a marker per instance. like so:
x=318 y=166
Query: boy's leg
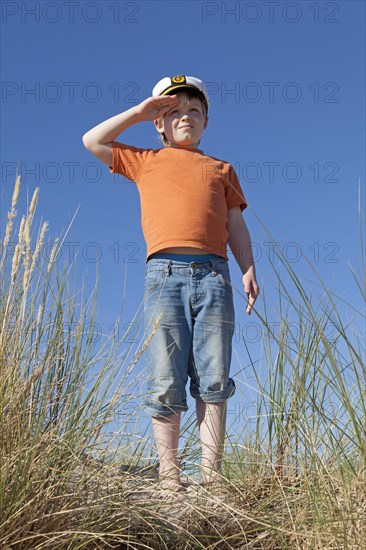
x=166 y=432
x=211 y=419
x=210 y=363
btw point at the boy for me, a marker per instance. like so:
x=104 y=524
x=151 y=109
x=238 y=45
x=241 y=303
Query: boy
x=191 y=208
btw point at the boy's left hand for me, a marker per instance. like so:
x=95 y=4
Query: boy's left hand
x=251 y=288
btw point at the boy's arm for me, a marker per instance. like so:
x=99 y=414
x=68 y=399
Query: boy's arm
x=240 y=245
x=98 y=140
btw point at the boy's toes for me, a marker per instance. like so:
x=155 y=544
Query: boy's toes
x=167 y=485
x=170 y=491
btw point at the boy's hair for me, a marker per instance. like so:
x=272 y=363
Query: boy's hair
x=190 y=92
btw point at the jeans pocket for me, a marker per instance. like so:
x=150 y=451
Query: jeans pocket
x=222 y=274
x=225 y=280
x=152 y=279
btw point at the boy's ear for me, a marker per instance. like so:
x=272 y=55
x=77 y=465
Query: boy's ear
x=206 y=122
x=159 y=125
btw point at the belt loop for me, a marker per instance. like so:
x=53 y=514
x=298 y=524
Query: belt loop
x=169 y=267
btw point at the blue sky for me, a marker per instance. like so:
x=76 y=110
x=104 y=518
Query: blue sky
x=287 y=88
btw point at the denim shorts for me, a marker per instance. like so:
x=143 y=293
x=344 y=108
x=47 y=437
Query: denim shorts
x=194 y=300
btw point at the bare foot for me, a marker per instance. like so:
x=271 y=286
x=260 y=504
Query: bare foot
x=171 y=485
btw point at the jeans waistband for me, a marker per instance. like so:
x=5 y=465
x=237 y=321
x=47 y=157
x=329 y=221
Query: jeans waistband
x=185 y=257
x=166 y=264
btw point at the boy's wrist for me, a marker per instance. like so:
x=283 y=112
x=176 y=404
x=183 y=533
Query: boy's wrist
x=135 y=114
x=249 y=267
x=246 y=268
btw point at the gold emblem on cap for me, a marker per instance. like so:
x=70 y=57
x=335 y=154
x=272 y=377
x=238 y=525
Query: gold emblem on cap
x=178 y=79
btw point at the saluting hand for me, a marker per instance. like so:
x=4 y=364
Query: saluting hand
x=156 y=107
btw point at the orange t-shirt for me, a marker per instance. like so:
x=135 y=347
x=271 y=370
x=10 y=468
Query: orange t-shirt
x=184 y=194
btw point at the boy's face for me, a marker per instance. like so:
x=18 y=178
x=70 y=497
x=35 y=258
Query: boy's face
x=185 y=123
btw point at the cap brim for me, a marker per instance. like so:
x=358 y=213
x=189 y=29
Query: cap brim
x=171 y=88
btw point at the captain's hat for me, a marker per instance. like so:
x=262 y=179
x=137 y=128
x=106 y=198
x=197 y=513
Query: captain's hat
x=170 y=83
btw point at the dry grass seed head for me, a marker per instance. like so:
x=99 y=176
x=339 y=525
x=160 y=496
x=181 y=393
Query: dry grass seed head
x=53 y=255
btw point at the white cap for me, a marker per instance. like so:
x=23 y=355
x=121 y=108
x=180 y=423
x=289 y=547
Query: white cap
x=169 y=83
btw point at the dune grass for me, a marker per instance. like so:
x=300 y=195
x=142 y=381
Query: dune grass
x=295 y=478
